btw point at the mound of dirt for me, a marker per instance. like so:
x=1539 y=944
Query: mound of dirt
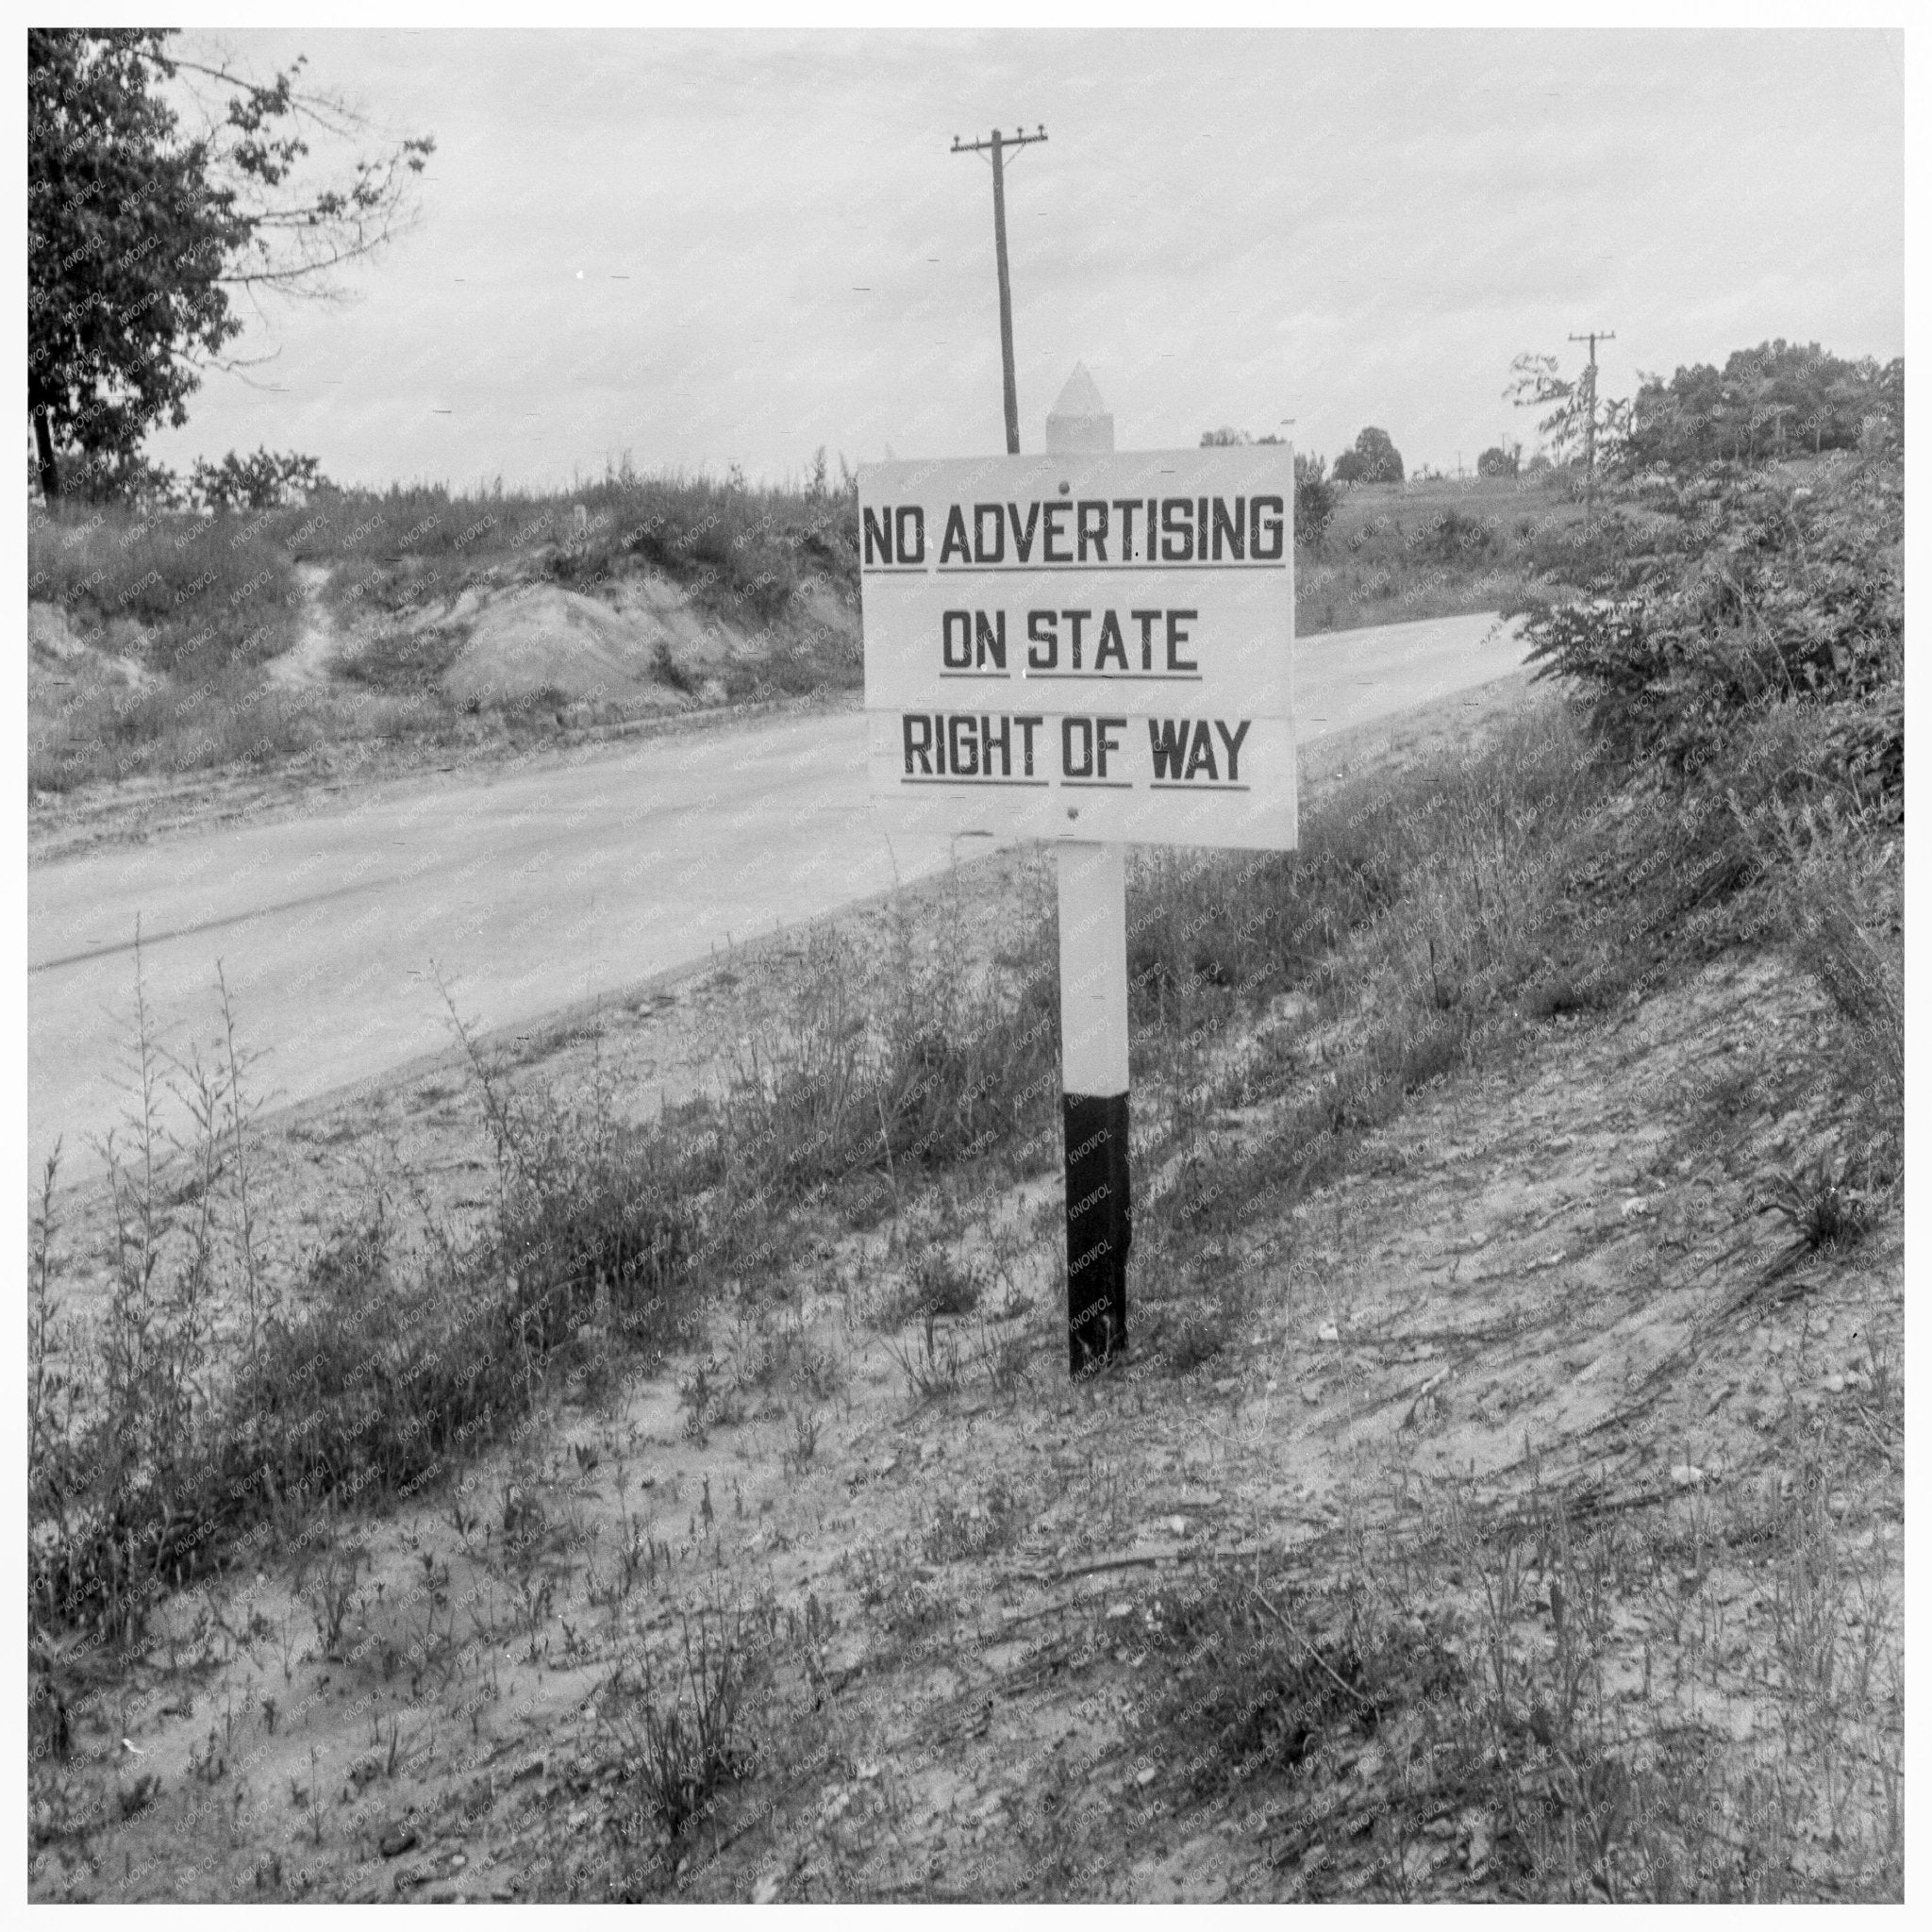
x=651 y=644
x=541 y=638
x=662 y=609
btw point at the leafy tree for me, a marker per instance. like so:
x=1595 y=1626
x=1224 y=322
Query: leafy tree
x=1573 y=410
x=124 y=248
x=126 y=476
x=1223 y=439
x=1373 y=459
x=1383 y=458
x=1503 y=459
x=1536 y=384
x=1314 y=500
x=1763 y=402
x=137 y=232
x=266 y=480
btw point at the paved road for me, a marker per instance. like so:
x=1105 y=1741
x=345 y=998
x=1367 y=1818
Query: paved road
x=527 y=889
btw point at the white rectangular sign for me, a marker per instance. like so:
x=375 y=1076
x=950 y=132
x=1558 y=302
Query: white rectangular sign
x=1089 y=647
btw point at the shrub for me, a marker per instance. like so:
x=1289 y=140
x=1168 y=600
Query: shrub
x=1784 y=593
x=1456 y=538
x=1314 y=501
x=266 y=480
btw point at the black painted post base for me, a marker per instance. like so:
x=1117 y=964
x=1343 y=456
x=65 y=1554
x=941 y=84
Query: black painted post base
x=1100 y=1226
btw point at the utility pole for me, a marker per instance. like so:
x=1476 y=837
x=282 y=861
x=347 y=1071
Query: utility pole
x=1593 y=338
x=996 y=145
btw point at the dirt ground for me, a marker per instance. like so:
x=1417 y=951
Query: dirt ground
x=1553 y=1275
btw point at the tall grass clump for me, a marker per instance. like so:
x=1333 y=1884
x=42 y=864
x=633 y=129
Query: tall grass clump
x=1226 y=929
x=742 y=550
x=1728 y=774
x=110 y=731
x=1432 y=918
x=938 y=1070
x=211 y=1406
x=196 y=605
x=214 y=1402
x=192 y=594
x=1452 y=1711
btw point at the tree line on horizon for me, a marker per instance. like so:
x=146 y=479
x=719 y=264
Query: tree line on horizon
x=1776 y=400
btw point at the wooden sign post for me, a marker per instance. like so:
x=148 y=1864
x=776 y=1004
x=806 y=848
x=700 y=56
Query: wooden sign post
x=1095 y=650
x=1093 y=1019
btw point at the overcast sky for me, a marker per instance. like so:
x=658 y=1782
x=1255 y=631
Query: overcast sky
x=706 y=249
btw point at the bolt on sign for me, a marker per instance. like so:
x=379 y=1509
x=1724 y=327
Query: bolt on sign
x=1090 y=647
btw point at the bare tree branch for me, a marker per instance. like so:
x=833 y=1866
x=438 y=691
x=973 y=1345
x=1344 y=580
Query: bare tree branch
x=301 y=231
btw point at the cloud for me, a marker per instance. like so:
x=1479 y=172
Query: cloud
x=777 y=248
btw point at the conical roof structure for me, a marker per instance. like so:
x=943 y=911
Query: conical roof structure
x=1079 y=397
x=1080 y=421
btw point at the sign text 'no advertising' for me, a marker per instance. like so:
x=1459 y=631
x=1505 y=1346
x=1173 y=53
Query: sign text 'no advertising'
x=1090 y=647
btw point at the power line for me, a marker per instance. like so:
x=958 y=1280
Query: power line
x=997 y=145
x=1593 y=338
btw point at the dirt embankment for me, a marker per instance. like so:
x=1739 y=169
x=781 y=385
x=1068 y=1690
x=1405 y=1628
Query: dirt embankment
x=967 y=1594
x=643 y=644
x=649 y=645
x=1536 y=1280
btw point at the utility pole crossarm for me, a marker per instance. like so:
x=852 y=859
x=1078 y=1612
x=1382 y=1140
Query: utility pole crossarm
x=997 y=144
x=996 y=139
